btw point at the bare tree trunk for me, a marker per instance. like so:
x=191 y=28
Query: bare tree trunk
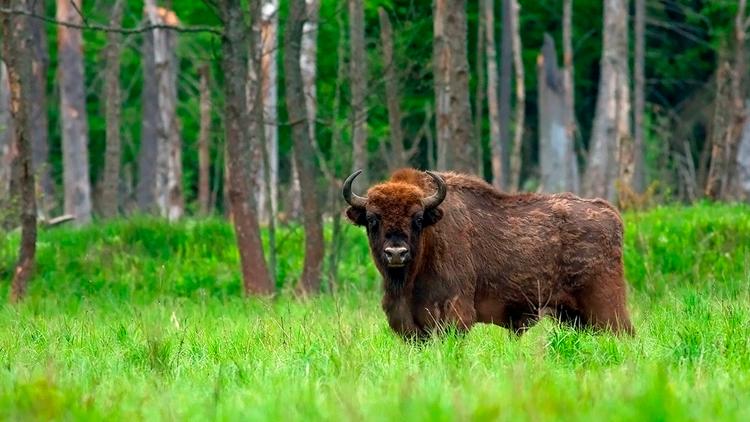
x=488 y=10
x=743 y=161
x=569 y=89
x=37 y=94
x=451 y=69
x=110 y=185
x=506 y=75
x=295 y=100
x=169 y=145
x=398 y=156
x=269 y=64
x=146 y=190
x=556 y=157
x=639 y=170
x=515 y=157
x=611 y=131
x=204 y=143
x=358 y=78
x=16 y=41
x=7 y=137
x=720 y=132
x=73 y=114
x=234 y=64
x=481 y=85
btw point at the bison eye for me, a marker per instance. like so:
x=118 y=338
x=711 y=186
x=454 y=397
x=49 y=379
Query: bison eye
x=372 y=223
x=417 y=221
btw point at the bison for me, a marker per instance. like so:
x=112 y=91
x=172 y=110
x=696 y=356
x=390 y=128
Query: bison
x=454 y=251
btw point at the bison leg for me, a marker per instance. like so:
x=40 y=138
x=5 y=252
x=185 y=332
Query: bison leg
x=602 y=305
x=520 y=322
x=455 y=313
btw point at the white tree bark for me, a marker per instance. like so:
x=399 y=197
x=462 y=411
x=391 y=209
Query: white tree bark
x=169 y=147
x=515 y=157
x=612 y=119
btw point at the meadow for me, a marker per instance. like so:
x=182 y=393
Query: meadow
x=144 y=320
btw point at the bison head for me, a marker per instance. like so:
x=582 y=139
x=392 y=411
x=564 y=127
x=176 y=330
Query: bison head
x=395 y=213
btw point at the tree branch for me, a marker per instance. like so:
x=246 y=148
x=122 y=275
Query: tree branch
x=105 y=28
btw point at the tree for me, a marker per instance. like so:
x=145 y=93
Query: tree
x=397 y=157
x=112 y=94
x=73 y=118
x=358 y=78
x=16 y=42
x=304 y=154
x=481 y=86
x=255 y=275
x=488 y=10
x=204 y=142
x=559 y=169
x=451 y=73
x=37 y=94
x=515 y=157
x=168 y=187
x=146 y=190
x=7 y=137
x=611 y=131
x=639 y=94
x=506 y=75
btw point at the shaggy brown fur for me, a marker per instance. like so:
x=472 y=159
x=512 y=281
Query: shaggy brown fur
x=486 y=256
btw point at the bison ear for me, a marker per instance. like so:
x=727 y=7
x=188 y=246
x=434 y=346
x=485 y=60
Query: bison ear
x=432 y=216
x=357 y=215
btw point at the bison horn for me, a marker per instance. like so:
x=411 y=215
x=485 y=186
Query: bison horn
x=436 y=198
x=352 y=198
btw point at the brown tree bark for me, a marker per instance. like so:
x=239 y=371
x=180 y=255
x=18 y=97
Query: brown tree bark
x=16 y=42
x=481 y=86
x=269 y=88
x=610 y=148
x=304 y=154
x=451 y=70
x=358 y=78
x=515 y=156
x=7 y=138
x=506 y=76
x=37 y=94
x=204 y=142
x=255 y=275
x=569 y=92
x=169 y=196
x=556 y=156
x=397 y=158
x=639 y=95
x=146 y=190
x=110 y=197
x=493 y=106
x=75 y=136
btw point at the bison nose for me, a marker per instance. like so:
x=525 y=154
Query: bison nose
x=396 y=256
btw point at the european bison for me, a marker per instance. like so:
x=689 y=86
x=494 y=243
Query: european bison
x=454 y=251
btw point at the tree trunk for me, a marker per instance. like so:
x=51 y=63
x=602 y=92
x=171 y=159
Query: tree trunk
x=743 y=161
x=304 y=154
x=720 y=132
x=569 y=90
x=506 y=75
x=169 y=197
x=481 y=85
x=37 y=94
x=269 y=88
x=451 y=70
x=111 y=181
x=75 y=136
x=639 y=101
x=16 y=42
x=146 y=190
x=397 y=158
x=7 y=138
x=234 y=65
x=488 y=10
x=204 y=143
x=515 y=157
x=611 y=130
x=358 y=78
x=556 y=157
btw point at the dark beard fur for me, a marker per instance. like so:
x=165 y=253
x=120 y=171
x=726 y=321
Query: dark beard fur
x=395 y=279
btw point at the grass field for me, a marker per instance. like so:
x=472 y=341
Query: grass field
x=141 y=320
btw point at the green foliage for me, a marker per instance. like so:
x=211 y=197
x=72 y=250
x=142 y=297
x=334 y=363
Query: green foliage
x=145 y=320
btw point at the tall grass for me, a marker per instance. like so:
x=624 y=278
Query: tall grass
x=146 y=320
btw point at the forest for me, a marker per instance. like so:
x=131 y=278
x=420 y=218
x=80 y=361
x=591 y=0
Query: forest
x=171 y=177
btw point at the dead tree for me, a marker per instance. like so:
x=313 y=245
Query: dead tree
x=304 y=154
x=611 y=143
x=112 y=96
x=559 y=171
x=16 y=42
x=255 y=275
x=204 y=142
x=73 y=116
x=515 y=156
x=451 y=70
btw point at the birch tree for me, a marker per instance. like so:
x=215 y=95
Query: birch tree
x=37 y=94
x=515 y=156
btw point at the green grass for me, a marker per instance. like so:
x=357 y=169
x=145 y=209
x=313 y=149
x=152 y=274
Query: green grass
x=144 y=320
